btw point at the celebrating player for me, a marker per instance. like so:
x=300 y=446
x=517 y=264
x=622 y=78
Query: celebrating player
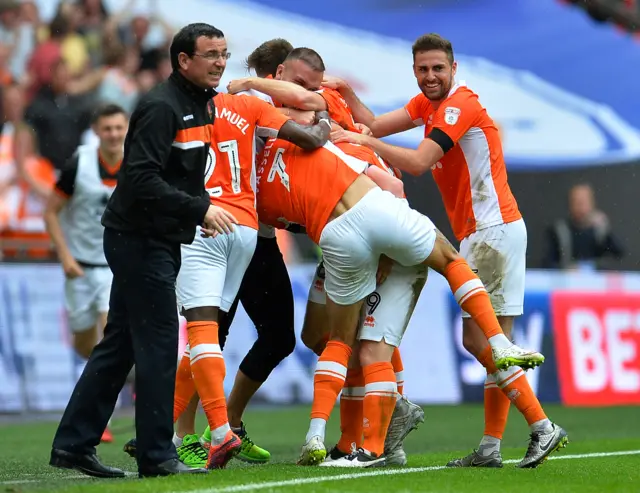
x=463 y=150
x=354 y=222
x=294 y=84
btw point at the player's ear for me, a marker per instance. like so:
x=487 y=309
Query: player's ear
x=454 y=68
x=279 y=71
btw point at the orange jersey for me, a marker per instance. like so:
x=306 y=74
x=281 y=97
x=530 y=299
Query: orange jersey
x=230 y=175
x=338 y=109
x=472 y=176
x=303 y=187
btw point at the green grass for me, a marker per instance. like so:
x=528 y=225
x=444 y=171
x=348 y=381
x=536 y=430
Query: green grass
x=448 y=432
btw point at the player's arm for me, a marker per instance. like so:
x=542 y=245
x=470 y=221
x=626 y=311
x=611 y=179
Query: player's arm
x=413 y=161
x=308 y=138
x=450 y=123
x=299 y=116
x=286 y=93
x=390 y=123
x=57 y=200
x=386 y=181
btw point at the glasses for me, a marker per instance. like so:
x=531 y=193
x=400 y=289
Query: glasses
x=214 y=55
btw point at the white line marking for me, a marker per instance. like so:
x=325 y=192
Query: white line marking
x=322 y=479
x=379 y=472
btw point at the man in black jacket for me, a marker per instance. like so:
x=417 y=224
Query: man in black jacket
x=159 y=201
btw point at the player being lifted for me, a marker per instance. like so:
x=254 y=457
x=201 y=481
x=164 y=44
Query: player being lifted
x=296 y=77
x=354 y=222
x=72 y=217
x=463 y=150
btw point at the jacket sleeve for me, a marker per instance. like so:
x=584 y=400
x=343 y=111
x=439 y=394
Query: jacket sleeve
x=148 y=154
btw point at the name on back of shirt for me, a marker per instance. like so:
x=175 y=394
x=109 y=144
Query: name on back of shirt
x=233 y=119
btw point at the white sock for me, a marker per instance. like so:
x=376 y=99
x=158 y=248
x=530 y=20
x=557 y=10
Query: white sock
x=177 y=441
x=500 y=341
x=488 y=445
x=543 y=426
x=316 y=428
x=219 y=434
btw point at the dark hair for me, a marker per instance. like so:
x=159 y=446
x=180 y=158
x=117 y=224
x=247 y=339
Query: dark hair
x=308 y=56
x=266 y=57
x=108 y=109
x=59 y=26
x=185 y=40
x=433 y=41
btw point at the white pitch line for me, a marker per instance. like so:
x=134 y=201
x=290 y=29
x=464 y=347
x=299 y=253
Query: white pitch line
x=322 y=479
x=378 y=472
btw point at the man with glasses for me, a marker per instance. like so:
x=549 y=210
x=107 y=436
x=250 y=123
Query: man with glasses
x=159 y=201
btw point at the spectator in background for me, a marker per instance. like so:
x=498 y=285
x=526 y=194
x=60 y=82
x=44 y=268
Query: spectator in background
x=93 y=16
x=58 y=117
x=119 y=85
x=46 y=55
x=584 y=238
x=73 y=46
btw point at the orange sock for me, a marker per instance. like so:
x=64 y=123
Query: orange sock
x=185 y=387
x=514 y=384
x=496 y=403
x=398 y=368
x=351 y=402
x=472 y=296
x=208 y=371
x=379 y=401
x=329 y=377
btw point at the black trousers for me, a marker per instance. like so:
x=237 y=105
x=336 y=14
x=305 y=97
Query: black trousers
x=142 y=328
x=267 y=297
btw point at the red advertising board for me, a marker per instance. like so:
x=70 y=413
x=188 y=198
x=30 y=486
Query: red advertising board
x=597 y=341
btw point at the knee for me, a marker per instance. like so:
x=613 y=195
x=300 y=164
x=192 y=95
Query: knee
x=370 y=352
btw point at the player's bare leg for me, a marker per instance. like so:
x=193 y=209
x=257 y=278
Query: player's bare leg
x=329 y=377
x=499 y=387
x=208 y=370
x=315 y=329
x=243 y=390
x=378 y=404
x=473 y=298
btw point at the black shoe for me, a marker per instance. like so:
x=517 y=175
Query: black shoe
x=168 y=468
x=130 y=448
x=88 y=464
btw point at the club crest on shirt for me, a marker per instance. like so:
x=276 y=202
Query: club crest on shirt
x=451 y=115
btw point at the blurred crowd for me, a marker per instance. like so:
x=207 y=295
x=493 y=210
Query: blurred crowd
x=52 y=76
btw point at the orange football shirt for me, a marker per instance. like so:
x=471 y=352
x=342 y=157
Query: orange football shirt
x=472 y=176
x=230 y=174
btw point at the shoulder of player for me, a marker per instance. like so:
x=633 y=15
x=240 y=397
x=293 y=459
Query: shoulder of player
x=461 y=96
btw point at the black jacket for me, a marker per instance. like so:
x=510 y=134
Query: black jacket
x=160 y=189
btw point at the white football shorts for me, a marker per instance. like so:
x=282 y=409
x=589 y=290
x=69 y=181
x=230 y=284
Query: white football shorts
x=498 y=255
x=352 y=244
x=212 y=268
x=86 y=297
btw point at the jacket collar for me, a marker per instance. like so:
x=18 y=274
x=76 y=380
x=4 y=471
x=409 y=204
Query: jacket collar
x=190 y=88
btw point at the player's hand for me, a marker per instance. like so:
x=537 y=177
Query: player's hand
x=218 y=220
x=333 y=82
x=239 y=85
x=72 y=268
x=339 y=136
x=384 y=269
x=363 y=129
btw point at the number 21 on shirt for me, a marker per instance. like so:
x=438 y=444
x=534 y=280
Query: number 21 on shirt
x=230 y=148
